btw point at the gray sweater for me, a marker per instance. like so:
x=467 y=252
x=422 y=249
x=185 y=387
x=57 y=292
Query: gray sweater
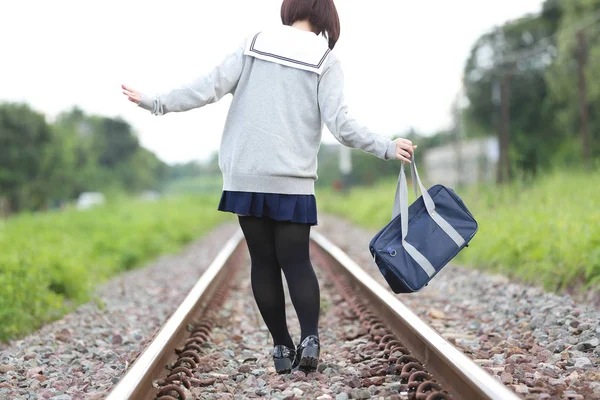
x=285 y=84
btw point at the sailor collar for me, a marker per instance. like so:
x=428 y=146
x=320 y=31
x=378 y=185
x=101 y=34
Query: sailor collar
x=291 y=47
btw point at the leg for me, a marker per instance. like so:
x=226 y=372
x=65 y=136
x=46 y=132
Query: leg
x=267 y=284
x=292 y=249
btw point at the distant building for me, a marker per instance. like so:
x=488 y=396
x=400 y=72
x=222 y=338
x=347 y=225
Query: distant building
x=88 y=200
x=150 y=195
x=84 y=129
x=466 y=163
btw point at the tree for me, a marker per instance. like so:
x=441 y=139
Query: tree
x=518 y=55
x=562 y=77
x=190 y=169
x=115 y=141
x=42 y=165
x=108 y=154
x=24 y=134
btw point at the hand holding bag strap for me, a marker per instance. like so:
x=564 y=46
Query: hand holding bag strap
x=401 y=207
x=429 y=204
x=401 y=204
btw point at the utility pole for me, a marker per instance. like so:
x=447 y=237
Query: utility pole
x=345 y=166
x=501 y=94
x=458 y=131
x=496 y=101
x=505 y=142
x=583 y=104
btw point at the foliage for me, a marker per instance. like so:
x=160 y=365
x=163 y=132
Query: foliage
x=199 y=184
x=545 y=233
x=24 y=141
x=185 y=170
x=52 y=261
x=538 y=55
x=520 y=52
x=42 y=165
x=562 y=76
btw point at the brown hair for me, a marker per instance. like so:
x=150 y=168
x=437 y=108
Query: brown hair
x=322 y=14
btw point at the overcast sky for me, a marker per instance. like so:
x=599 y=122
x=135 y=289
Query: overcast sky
x=402 y=59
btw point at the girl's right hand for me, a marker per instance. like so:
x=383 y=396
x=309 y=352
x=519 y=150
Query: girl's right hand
x=404 y=149
x=133 y=95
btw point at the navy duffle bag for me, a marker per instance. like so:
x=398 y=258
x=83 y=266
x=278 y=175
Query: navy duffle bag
x=421 y=239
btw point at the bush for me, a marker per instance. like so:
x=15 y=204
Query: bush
x=51 y=262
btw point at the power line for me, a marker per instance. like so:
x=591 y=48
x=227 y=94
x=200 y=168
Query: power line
x=585 y=23
x=534 y=53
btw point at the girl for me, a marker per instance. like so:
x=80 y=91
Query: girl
x=286 y=83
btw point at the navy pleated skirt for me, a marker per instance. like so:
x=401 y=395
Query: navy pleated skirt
x=300 y=208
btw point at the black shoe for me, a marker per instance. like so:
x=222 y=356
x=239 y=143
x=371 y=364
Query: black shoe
x=307 y=354
x=283 y=357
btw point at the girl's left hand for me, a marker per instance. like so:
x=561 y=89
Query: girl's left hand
x=133 y=95
x=404 y=149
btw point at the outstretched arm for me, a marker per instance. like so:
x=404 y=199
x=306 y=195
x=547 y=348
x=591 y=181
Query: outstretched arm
x=204 y=90
x=346 y=129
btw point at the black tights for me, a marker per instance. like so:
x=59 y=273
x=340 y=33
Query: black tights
x=275 y=246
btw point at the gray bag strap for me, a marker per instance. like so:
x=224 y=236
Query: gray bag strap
x=401 y=208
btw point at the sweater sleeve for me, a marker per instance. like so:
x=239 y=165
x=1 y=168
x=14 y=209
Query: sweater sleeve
x=204 y=90
x=347 y=130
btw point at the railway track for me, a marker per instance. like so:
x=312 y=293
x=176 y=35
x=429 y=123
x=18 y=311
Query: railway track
x=396 y=347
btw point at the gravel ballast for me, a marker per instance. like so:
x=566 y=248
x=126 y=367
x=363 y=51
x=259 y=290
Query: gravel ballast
x=542 y=345
x=82 y=355
x=237 y=361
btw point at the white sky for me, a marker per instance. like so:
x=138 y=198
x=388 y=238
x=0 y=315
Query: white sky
x=402 y=59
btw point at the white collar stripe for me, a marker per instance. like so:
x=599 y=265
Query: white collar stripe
x=253 y=49
x=290 y=48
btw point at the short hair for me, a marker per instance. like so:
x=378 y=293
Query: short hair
x=322 y=14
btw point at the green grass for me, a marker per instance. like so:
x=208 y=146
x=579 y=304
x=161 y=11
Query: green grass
x=51 y=262
x=546 y=232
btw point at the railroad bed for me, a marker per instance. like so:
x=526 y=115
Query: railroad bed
x=215 y=345
x=542 y=345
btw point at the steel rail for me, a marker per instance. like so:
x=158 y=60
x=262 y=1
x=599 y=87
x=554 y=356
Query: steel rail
x=137 y=382
x=456 y=372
